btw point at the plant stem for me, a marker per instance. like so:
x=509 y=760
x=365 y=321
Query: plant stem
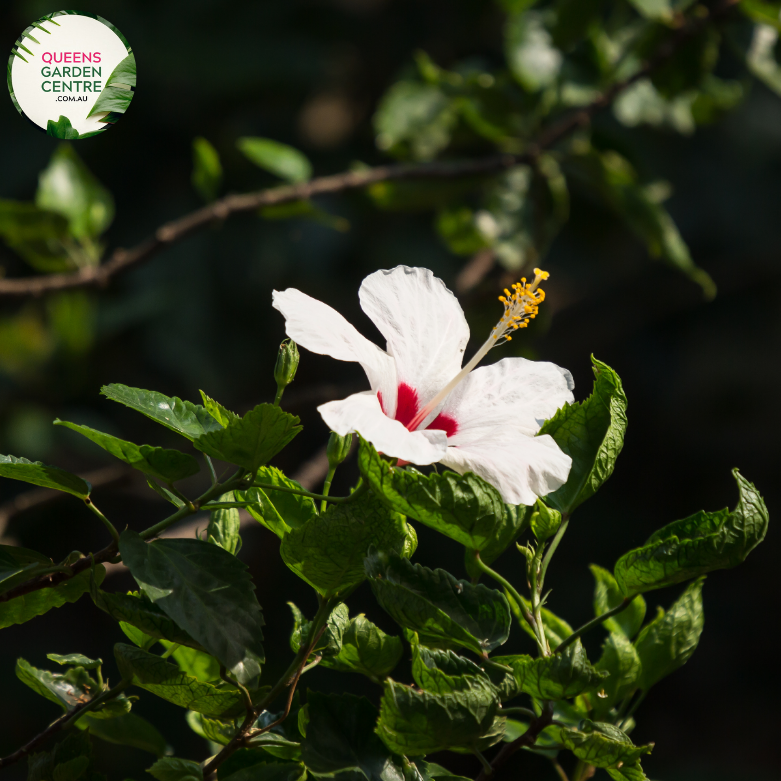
x=278 y=396
x=634 y=707
x=559 y=770
x=105 y=521
x=107 y=695
x=594 y=622
x=513 y=593
x=520 y=711
x=536 y=579
x=361 y=489
x=211 y=469
x=327 y=486
x=552 y=548
x=483 y=761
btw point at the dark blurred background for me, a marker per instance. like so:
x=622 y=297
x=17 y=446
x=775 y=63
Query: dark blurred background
x=701 y=376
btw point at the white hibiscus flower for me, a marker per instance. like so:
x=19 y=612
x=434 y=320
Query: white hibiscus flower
x=423 y=407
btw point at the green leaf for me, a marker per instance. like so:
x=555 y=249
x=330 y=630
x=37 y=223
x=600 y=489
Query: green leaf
x=632 y=772
x=602 y=745
x=460 y=230
x=164 y=493
x=206 y=591
x=560 y=676
x=214 y=730
x=463 y=507
x=45 y=476
x=36 y=603
x=166 y=680
x=173 y=769
x=217 y=411
x=592 y=433
x=330 y=643
x=340 y=736
x=279 y=511
x=415 y=120
x=127 y=730
x=224 y=526
x=544 y=521
x=762 y=11
x=366 y=649
x=66 y=690
x=445 y=612
x=75 y=659
x=279 y=159
x=117 y=95
x=671 y=638
x=66 y=186
x=417 y=723
x=145 y=616
x=207 y=170
x=20 y=564
x=655 y=9
x=620 y=660
x=71 y=758
x=62 y=129
x=701 y=543
x=71 y=770
x=185 y=418
x=196 y=663
x=328 y=551
x=531 y=56
x=616 y=182
x=253 y=440
x=556 y=629
x=270 y=771
x=443 y=672
x=157 y=462
x=36 y=235
x=608 y=595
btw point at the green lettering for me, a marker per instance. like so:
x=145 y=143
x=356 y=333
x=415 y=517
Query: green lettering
x=43 y=86
x=46 y=71
x=87 y=87
x=56 y=86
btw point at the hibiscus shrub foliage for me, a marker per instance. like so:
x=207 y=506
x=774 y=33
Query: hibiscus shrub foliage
x=195 y=627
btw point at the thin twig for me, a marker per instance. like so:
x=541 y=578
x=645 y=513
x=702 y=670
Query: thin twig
x=122 y=260
x=622 y=605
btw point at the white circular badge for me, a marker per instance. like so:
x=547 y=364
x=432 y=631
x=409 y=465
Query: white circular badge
x=72 y=74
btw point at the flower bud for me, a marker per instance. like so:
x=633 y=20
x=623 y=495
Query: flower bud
x=545 y=521
x=287 y=363
x=338 y=449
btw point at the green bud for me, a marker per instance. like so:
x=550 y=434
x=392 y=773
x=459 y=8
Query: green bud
x=338 y=449
x=287 y=363
x=545 y=522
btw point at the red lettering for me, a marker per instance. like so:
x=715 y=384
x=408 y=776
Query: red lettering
x=96 y=56
x=68 y=57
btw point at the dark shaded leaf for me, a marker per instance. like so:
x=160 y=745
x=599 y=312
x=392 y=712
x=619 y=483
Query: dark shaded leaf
x=126 y=730
x=620 y=660
x=173 y=769
x=608 y=595
x=45 y=476
x=224 y=526
x=443 y=672
x=207 y=170
x=20 y=564
x=366 y=649
x=602 y=745
x=206 y=591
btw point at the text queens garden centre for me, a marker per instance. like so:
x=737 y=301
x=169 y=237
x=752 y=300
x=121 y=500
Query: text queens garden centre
x=83 y=76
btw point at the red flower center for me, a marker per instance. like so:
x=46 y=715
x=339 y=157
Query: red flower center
x=407 y=407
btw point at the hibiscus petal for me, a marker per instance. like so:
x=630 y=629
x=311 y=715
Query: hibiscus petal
x=361 y=412
x=520 y=467
x=321 y=329
x=513 y=392
x=423 y=324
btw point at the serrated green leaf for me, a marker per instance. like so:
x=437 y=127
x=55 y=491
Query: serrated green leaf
x=166 y=680
x=126 y=730
x=75 y=659
x=217 y=411
x=157 y=462
x=279 y=159
x=444 y=611
x=214 y=730
x=696 y=545
x=330 y=642
x=66 y=186
x=340 y=737
x=608 y=595
x=462 y=507
x=443 y=672
x=36 y=603
x=251 y=441
x=620 y=660
x=366 y=649
x=602 y=745
x=559 y=676
x=592 y=433
x=196 y=663
x=185 y=418
x=206 y=591
x=417 y=723
x=145 y=616
x=279 y=511
x=671 y=638
x=45 y=476
x=224 y=526
x=174 y=769
x=544 y=521
x=632 y=772
x=20 y=564
x=328 y=551
x=207 y=170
